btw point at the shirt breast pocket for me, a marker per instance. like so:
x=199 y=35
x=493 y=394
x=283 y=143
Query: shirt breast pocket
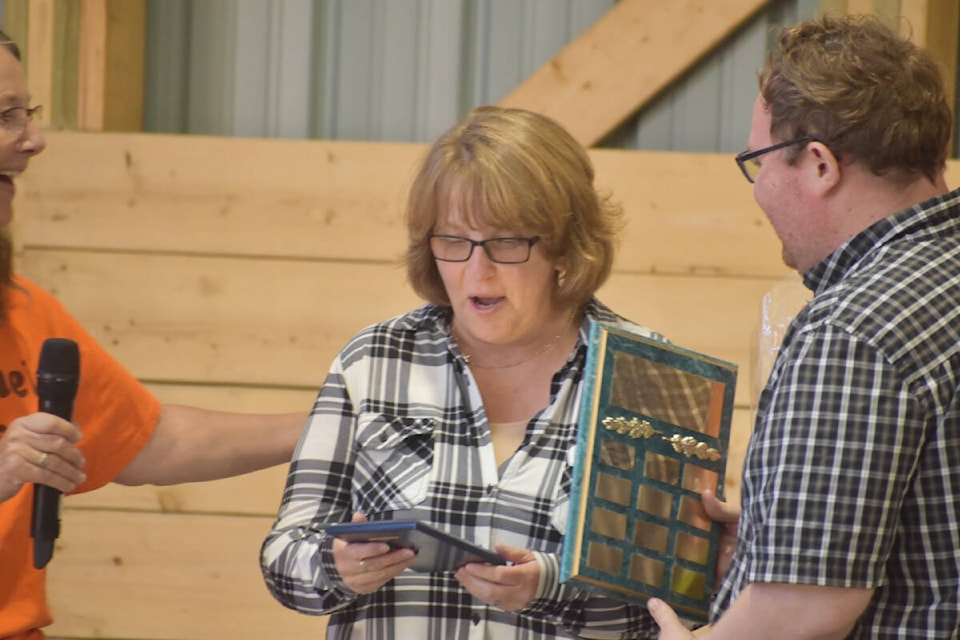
x=394 y=461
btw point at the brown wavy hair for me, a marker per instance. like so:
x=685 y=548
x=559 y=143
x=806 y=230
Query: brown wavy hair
x=519 y=170
x=869 y=95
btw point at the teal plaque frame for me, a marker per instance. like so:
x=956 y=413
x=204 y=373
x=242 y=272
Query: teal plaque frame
x=654 y=431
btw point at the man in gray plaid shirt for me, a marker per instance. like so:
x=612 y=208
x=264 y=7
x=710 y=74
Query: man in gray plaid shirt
x=851 y=492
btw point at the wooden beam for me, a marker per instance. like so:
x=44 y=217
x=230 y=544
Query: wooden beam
x=63 y=109
x=40 y=55
x=889 y=12
x=860 y=6
x=620 y=63
x=934 y=24
x=915 y=16
x=111 y=65
x=125 y=61
x=99 y=62
x=92 y=64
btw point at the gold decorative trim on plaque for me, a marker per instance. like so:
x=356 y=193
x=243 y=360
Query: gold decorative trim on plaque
x=632 y=428
x=690 y=447
x=636 y=428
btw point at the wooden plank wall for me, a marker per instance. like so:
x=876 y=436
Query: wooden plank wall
x=227 y=272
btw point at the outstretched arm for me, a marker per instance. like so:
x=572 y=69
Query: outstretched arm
x=194 y=445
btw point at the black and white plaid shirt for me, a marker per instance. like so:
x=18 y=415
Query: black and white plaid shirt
x=852 y=477
x=399 y=431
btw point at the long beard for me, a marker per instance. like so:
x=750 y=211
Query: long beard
x=6 y=270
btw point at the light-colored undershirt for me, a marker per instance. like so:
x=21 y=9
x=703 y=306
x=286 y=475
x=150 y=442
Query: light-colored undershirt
x=507 y=438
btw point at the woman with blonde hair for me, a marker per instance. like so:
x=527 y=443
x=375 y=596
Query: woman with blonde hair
x=462 y=413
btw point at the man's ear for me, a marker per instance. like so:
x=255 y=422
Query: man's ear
x=825 y=166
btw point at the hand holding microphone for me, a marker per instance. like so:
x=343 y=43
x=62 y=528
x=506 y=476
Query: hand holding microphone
x=22 y=450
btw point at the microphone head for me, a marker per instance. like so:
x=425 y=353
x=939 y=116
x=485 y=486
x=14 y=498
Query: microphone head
x=58 y=374
x=59 y=357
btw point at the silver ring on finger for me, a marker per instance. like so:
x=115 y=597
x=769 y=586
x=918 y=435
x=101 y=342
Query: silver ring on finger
x=44 y=458
x=363 y=566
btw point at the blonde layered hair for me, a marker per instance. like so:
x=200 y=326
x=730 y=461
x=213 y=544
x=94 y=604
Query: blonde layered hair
x=518 y=170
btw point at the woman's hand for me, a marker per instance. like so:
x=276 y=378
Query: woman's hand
x=40 y=448
x=367 y=566
x=510 y=588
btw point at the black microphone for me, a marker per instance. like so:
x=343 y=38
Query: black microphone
x=57 y=378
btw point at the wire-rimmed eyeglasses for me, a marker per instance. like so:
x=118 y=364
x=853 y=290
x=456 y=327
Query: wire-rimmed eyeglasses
x=500 y=250
x=747 y=160
x=14 y=120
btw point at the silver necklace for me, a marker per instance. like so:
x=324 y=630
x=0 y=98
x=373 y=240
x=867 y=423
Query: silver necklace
x=542 y=350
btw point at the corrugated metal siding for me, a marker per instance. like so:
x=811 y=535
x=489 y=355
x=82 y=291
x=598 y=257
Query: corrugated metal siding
x=394 y=70
x=405 y=70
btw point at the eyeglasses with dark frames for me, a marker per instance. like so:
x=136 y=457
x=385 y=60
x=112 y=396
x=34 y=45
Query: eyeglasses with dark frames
x=747 y=160
x=499 y=250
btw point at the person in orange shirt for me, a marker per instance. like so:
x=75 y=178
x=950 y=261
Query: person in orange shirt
x=119 y=431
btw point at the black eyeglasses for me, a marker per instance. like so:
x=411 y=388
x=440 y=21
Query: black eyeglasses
x=747 y=160
x=501 y=250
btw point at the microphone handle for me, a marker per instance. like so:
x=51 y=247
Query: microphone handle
x=45 y=523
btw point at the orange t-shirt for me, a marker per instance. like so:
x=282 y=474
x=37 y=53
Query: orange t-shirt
x=116 y=414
